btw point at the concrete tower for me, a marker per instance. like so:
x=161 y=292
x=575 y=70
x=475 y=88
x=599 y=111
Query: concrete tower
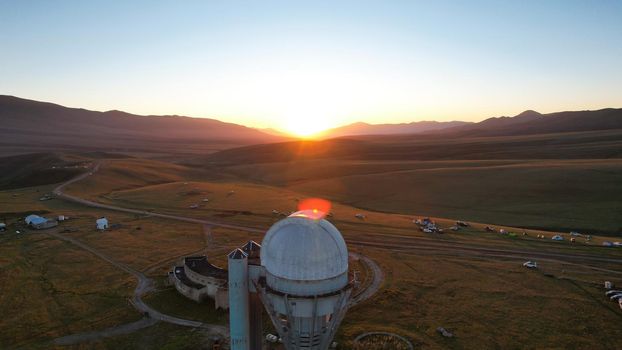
x=238 y=300
x=304 y=285
x=252 y=250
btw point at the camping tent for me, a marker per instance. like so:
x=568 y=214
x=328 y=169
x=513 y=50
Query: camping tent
x=102 y=223
x=30 y=218
x=34 y=220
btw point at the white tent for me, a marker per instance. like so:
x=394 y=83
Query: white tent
x=557 y=238
x=31 y=218
x=102 y=223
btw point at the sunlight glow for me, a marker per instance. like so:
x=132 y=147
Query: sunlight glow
x=305 y=126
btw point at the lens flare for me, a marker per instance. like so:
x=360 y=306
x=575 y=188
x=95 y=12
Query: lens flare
x=313 y=208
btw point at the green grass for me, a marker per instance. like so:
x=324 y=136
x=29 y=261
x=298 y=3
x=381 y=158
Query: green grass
x=561 y=195
x=487 y=302
x=170 y=302
x=51 y=288
x=35 y=170
x=161 y=336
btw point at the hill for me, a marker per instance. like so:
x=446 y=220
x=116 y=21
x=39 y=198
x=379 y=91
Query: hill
x=563 y=181
x=532 y=122
x=35 y=170
x=361 y=128
x=580 y=145
x=31 y=126
x=526 y=123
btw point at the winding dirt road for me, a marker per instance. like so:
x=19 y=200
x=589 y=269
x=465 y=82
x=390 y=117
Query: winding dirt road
x=145 y=284
x=58 y=191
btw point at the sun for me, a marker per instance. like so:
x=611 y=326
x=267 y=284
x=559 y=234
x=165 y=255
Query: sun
x=305 y=127
x=307 y=122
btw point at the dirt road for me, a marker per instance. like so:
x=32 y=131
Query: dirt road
x=58 y=191
x=376 y=282
x=145 y=284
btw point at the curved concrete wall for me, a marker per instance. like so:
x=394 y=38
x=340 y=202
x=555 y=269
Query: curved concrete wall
x=211 y=283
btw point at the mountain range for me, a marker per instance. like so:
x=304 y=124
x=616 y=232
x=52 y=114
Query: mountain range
x=29 y=126
x=531 y=122
x=33 y=126
x=362 y=128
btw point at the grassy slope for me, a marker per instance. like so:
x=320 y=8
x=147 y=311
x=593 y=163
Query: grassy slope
x=573 y=195
x=549 y=194
x=487 y=302
x=35 y=170
x=50 y=289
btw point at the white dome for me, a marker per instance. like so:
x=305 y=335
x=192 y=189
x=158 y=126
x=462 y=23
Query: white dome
x=303 y=249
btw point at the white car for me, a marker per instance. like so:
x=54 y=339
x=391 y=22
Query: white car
x=531 y=264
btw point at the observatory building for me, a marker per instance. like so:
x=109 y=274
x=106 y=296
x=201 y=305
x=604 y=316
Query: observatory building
x=299 y=274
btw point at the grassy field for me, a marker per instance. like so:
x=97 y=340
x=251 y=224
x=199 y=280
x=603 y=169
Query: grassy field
x=560 y=195
x=51 y=288
x=486 y=300
x=487 y=303
x=161 y=336
x=565 y=181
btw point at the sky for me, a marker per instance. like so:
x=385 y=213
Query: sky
x=305 y=66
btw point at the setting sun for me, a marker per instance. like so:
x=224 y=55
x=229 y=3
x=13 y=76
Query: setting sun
x=305 y=127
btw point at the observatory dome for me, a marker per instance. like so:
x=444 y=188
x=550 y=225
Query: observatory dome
x=304 y=255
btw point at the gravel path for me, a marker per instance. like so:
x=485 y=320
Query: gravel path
x=377 y=279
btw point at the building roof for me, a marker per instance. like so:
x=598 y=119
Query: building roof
x=180 y=273
x=302 y=248
x=252 y=249
x=202 y=266
x=237 y=254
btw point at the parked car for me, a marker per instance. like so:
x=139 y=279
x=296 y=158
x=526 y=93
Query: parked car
x=612 y=292
x=531 y=264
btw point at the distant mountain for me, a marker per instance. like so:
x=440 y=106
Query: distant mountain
x=33 y=125
x=532 y=122
x=361 y=128
x=274 y=132
x=562 y=135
